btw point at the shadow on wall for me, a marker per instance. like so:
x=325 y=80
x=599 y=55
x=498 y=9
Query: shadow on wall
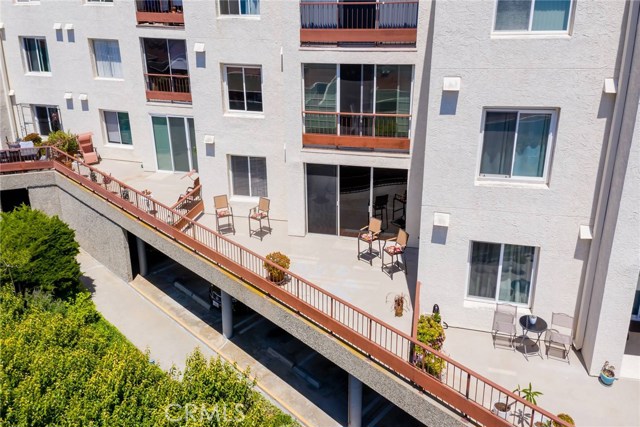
x=449 y=103
x=439 y=235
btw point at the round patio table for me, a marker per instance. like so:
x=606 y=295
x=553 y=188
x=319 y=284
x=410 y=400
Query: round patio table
x=537 y=328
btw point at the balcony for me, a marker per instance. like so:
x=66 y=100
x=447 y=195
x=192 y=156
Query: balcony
x=168 y=87
x=344 y=23
x=384 y=132
x=159 y=12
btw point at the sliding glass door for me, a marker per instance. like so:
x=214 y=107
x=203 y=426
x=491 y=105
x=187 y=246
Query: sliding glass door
x=340 y=199
x=175 y=143
x=322 y=199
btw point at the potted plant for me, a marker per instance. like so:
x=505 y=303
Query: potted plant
x=66 y=142
x=528 y=394
x=607 y=374
x=564 y=417
x=502 y=409
x=430 y=332
x=276 y=274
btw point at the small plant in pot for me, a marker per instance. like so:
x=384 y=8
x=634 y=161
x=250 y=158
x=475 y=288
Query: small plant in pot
x=607 y=374
x=275 y=274
x=64 y=141
x=564 y=417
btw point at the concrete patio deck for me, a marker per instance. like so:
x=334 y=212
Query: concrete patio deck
x=330 y=262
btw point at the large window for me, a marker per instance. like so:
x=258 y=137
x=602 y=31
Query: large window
x=516 y=144
x=249 y=176
x=532 y=15
x=175 y=143
x=36 y=54
x=167 y=66
x=369 y=100
x=118 y=127
x=107 y=55
x=244 y=88
x=240 y=7
x=501 y=272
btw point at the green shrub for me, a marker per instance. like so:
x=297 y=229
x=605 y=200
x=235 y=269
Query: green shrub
x=64 y=141
x=566 y=418
x=430 y=332
x=38 y=251
x=276 y=274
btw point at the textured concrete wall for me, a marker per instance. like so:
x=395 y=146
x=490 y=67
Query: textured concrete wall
x=275 y=134
x=563 y=72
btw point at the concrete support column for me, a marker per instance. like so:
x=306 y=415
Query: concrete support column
x=355 y=402
x=227 y=315
x=142 y=256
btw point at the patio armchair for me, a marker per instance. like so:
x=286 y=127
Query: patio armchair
x=504 y=323
x=89 y=153
x=223 y=210
x=368 y=235
x=560 y=334
x=258 y=213
x=395 y=250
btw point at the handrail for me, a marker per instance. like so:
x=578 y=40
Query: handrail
x=177 y=76
x=459 y=387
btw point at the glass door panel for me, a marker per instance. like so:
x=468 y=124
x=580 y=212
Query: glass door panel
x=322 y=198
x=389 y=199
x=161 y=137
x=179 y=144
x=355 y=183
x=192 y=142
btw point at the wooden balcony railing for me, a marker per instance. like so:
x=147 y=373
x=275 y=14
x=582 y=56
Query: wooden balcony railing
x=458 y=387
x=371 y=22
x=168 y=87
x=164 y=12
x=356 y=130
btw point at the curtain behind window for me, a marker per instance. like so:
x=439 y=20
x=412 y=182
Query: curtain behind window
x=513 y=15
x=108 y=62
x=517 y=271
x=485 y=260
x=497 y=148
x=531 y=146
x=258 y=170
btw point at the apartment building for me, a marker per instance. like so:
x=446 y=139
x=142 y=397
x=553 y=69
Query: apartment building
x=483 y=128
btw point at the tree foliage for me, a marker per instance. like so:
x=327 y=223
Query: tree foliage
x=63 y=364
x=38 y=251
x=430 y=332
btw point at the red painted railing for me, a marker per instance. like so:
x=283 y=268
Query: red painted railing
x=458 y=387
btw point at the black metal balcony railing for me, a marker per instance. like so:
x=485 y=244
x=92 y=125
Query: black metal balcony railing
x=168 y=87
x=164 y=12
x=359 y=15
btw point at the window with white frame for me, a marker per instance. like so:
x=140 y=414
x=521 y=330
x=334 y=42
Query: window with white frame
x=501 y=272
x=517 y=144
x=107 y=57
x=47 y=117
x=36 y=53
x=244 y=88
x=532 y=15
x=239 y=7
x=118 y=127
x=249 y=176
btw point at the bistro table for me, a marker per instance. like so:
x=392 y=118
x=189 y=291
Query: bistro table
x=537 y=328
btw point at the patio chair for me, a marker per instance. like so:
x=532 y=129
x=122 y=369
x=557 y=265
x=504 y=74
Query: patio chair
x=368 y=235
x=258 y=213
x=89 y=153
x=504 y=323
x=395 y=250
x=224 y=210
x=560 y=334
x=196 y=183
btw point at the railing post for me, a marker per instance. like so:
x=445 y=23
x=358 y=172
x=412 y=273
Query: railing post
x=466 y=394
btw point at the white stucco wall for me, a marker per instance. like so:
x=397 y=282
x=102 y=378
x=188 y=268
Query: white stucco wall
x=556 y=72
x=228 y=40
